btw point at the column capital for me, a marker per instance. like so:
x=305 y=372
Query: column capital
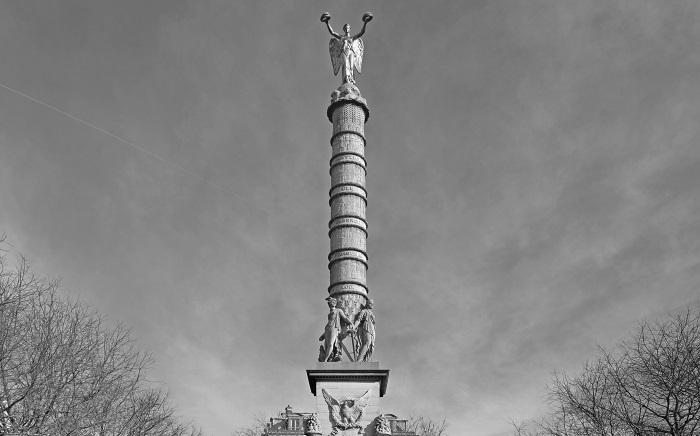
x=347 y=93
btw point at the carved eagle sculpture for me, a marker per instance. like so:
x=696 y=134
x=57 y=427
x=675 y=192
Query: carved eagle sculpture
x=347 y=412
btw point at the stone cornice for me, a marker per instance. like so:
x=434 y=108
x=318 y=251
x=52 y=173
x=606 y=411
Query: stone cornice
x=348 y=372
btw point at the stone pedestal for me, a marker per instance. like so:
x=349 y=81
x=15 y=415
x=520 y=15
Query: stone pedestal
x=348 y=379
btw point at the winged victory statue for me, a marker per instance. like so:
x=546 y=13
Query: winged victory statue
x=346 y=50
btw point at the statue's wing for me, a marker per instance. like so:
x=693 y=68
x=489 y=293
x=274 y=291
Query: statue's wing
x=333 y=407
x=330 y=400
x=363 y=400
x=358 y=409
x=359 y=48
x=335 y=48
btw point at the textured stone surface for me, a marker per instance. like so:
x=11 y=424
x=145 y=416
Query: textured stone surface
x=348 y=206
x=348 y=144
x=348 y=238
x=348 y=372
x=351 y=305
x=349 y=115
x=347 y=260
x=349 y=269
x=346 y=366
x=348 y=172
x=341 y=289
x=347 y=389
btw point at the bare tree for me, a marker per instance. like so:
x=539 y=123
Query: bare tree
x=63 y=371
x=649 y=384
x=257 y=428
x=657 y=375
x=584 y=405
x=427 y=427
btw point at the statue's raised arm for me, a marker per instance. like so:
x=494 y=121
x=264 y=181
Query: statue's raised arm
x=326 y=17
x=366 y=18
x=346 y=51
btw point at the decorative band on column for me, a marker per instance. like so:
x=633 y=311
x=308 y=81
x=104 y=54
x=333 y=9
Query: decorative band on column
x=348 y=158
x=349 y=188
x=347 y=254
x=340 y=226
x=340 y=217
x=348 y=287
x=339 y=250
x=340 y=103
x=355 y=190
x=350 y=194
x=349 y=132
x=347 y=221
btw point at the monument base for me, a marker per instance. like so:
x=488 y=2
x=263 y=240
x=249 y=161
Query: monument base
x=351 y=432
x=347 y=381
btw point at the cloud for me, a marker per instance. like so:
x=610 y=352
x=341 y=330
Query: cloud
x=532 y=188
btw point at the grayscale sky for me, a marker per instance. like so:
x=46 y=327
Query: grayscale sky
x=534 y=187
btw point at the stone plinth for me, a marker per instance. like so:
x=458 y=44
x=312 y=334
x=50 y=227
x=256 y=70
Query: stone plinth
x=348 y=379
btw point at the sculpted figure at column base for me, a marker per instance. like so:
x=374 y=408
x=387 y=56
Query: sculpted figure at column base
x=364 y=325
x=330 y=351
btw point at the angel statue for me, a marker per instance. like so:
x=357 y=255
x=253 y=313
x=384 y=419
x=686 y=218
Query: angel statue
x=346 y=50
x=346 y=412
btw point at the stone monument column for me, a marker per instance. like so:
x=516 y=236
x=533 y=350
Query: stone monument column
x=347 y=260
x=346 y=382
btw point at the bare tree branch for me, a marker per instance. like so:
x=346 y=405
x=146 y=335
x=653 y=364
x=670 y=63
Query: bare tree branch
x=427 y=427
x=649 y=384
x=64 y=371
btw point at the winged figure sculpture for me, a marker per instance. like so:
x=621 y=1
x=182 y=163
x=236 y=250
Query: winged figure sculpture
x=347 y=54
x=347 y=412
x=346 y=50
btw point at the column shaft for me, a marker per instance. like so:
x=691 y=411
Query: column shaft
x=348 y=202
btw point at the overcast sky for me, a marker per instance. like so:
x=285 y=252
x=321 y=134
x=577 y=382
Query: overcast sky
x=533 y=178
